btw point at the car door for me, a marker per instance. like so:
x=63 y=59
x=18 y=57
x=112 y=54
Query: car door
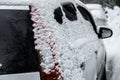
x=88 y=66
x=100 y=53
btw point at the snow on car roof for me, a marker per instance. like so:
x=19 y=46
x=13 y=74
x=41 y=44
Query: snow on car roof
x=97 y=11
x=15 y=2
x=14 y=7
x=94 y=6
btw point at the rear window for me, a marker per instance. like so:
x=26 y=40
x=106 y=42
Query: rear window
x=17 y=53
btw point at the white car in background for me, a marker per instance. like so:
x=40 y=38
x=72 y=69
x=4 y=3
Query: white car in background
x=66 y=37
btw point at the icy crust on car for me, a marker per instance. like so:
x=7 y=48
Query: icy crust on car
x=62 y=47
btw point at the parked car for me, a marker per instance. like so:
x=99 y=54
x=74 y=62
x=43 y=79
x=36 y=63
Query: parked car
x=66 y=37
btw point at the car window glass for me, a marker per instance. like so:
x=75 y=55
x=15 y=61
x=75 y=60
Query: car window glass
x=70 y=11
x=58 y=15
x=17 y=49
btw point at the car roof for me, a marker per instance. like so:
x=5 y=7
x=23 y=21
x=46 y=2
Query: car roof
x=94 y=6
x=31 y=2
x=46 y=6
x=77 y=2
x=9 y=7
x=15 y=2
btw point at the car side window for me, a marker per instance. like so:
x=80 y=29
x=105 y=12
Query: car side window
x=87 y=16
x=58 y=15
x=70 y=11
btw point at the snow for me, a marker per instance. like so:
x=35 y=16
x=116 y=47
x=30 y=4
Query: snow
x=113 y=44
x=98 y=14
x=112 y=15
x=96 y=10
x=14 y=7
x=68 y=45
x=15 y=2
x=63 y=48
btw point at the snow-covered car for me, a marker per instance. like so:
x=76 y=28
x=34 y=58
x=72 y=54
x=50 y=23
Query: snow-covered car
x=66 y=37
x=98 y=13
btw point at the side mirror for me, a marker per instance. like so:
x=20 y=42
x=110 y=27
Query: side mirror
x=105 y=33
